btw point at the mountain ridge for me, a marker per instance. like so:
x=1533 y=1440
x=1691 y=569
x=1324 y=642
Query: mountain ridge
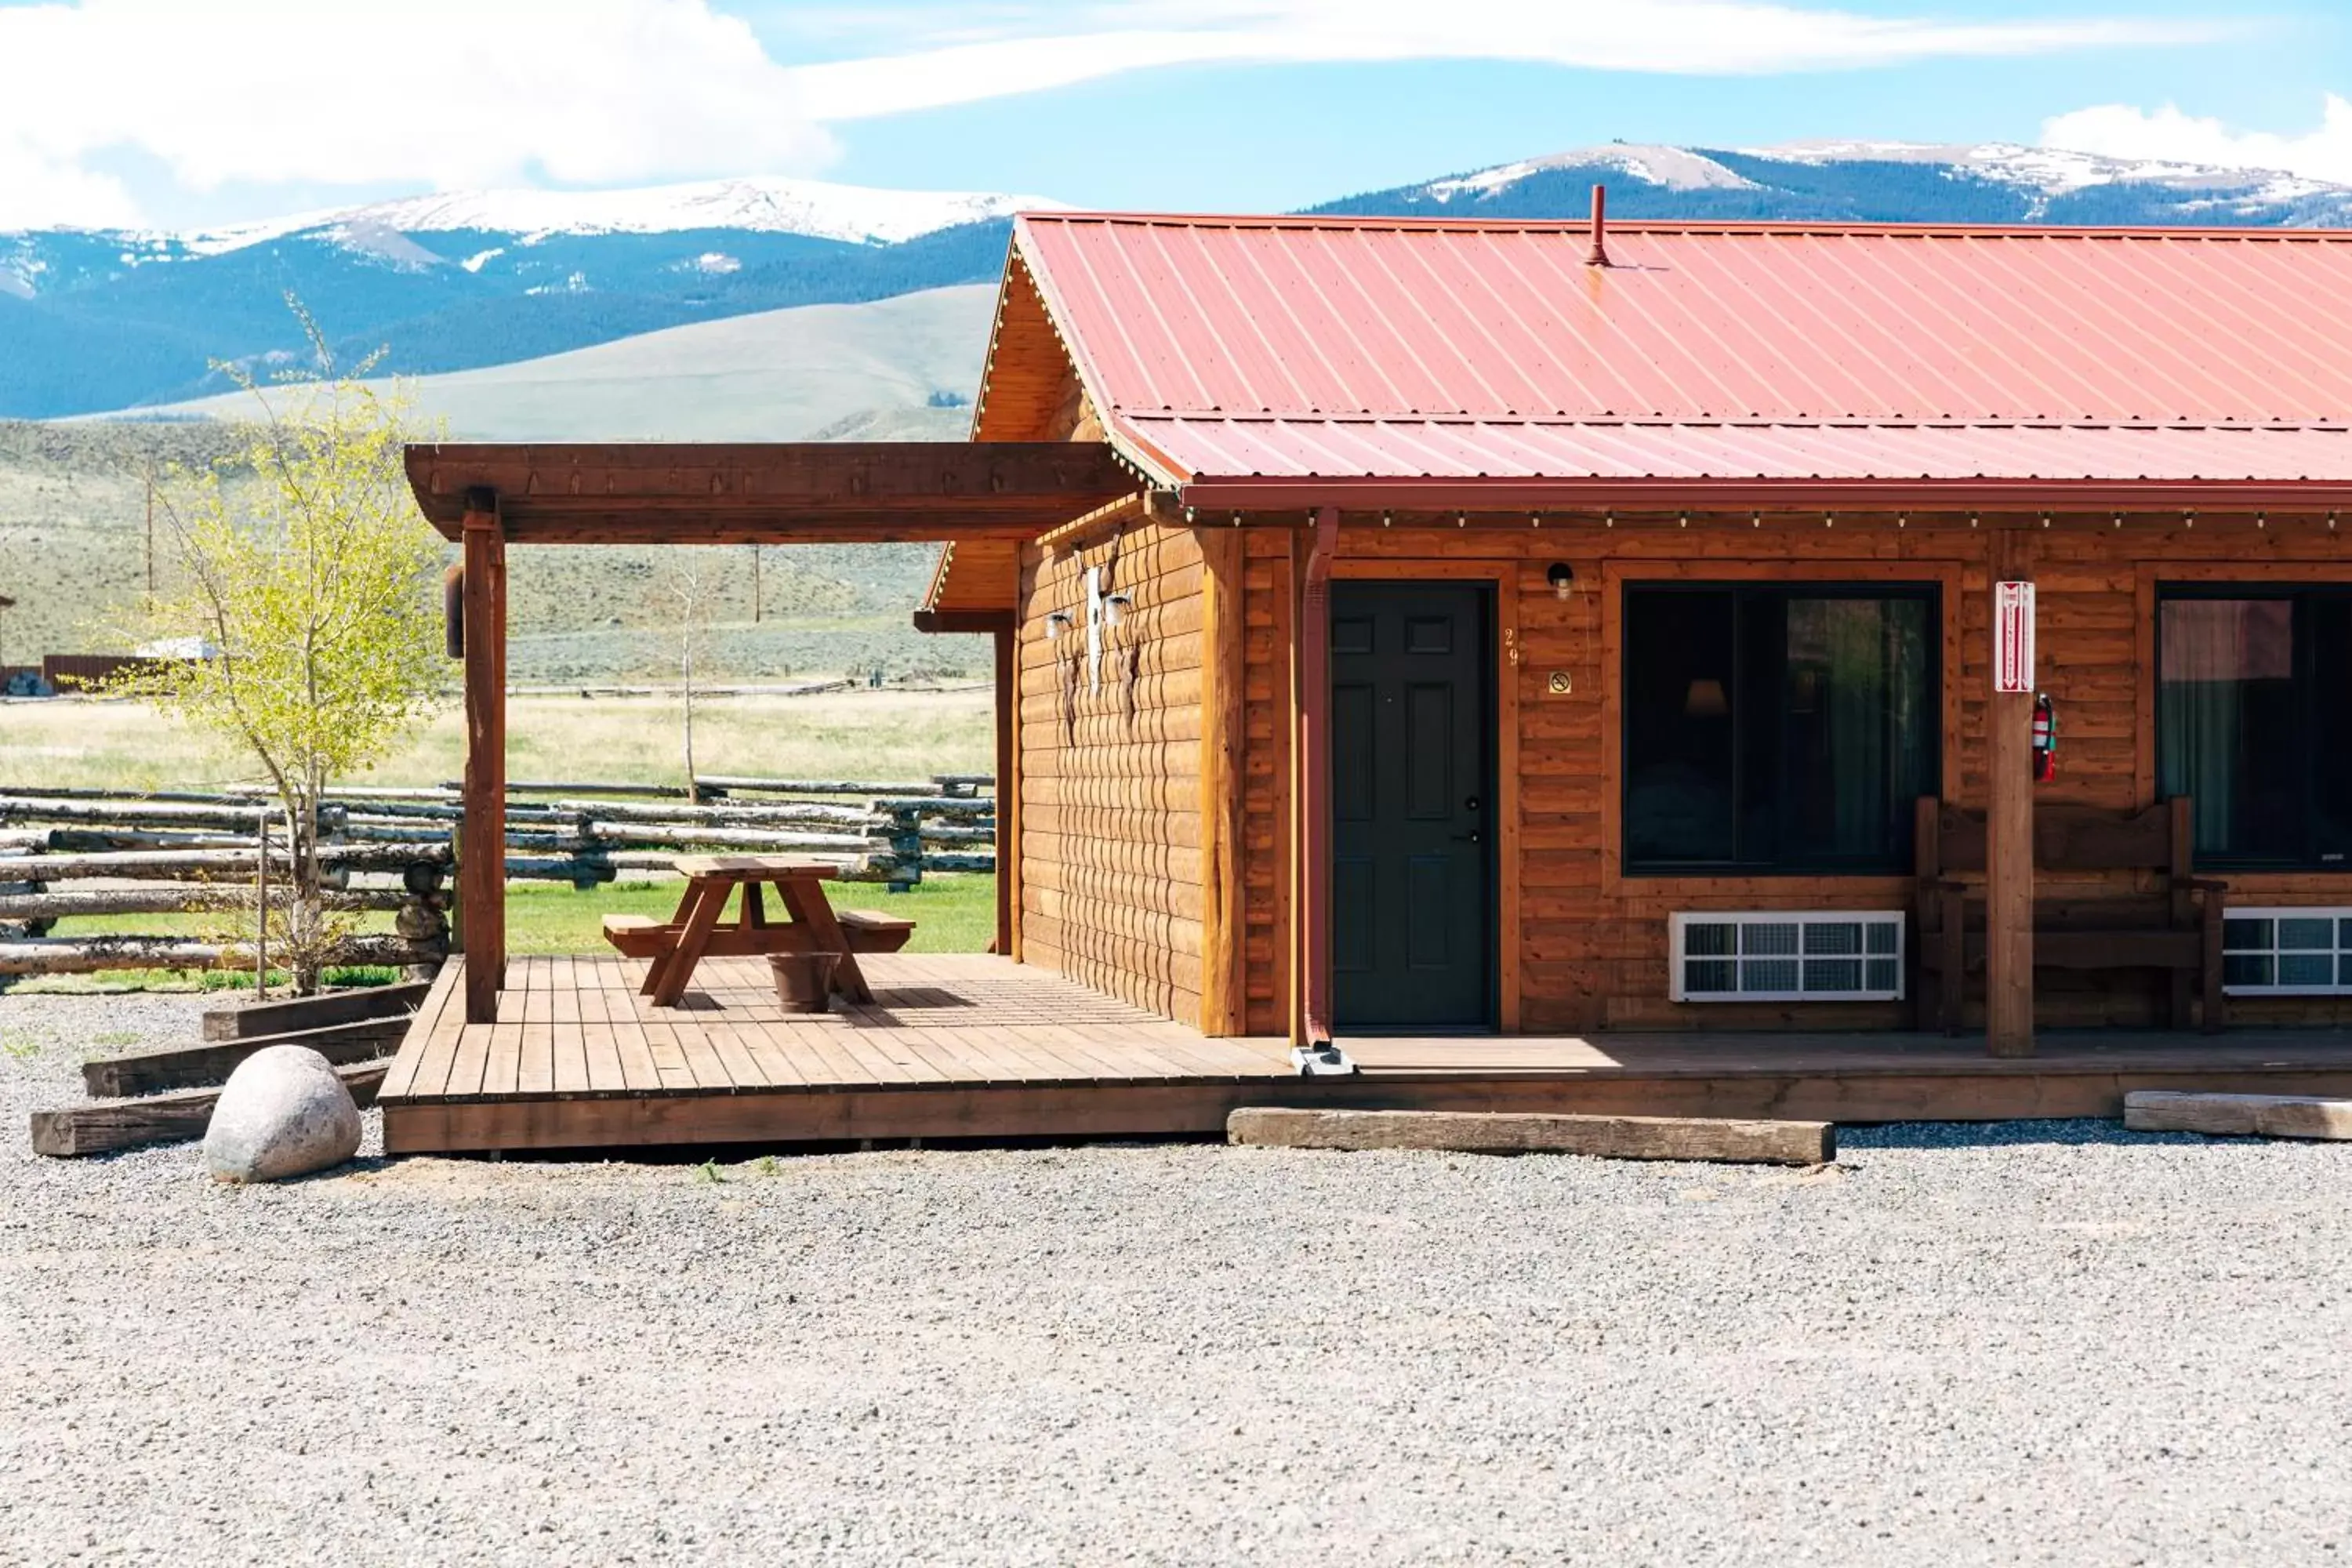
x=106 y=321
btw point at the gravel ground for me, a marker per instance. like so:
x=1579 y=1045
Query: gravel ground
x=2045 y=1342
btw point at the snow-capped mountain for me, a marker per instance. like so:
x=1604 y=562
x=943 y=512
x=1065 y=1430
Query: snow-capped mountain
x=817 y=209
x=1893 y=182
x=106 y=318
x=92 y=320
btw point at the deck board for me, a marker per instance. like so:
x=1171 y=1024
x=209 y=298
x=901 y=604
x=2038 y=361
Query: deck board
x=975 y=1046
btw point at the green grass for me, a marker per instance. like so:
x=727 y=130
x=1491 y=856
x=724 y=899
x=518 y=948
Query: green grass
x=952 y=912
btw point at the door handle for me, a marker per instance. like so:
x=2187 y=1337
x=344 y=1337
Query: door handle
x=1469 y=837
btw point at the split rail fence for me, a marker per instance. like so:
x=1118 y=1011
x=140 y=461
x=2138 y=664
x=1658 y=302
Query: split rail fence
x=85 y=853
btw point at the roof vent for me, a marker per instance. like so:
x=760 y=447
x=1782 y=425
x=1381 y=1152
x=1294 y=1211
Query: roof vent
x=1599 y=255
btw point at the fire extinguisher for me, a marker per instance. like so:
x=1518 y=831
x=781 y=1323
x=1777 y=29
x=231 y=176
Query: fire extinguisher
x=2046 y=739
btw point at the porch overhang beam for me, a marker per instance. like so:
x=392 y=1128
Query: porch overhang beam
x=984 y=621
x=814 y=492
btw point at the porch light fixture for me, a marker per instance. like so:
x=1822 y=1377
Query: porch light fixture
x=1562 y=578
x=1056 y=624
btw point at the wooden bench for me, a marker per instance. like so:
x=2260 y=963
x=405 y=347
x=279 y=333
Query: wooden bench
x=2167 y=919
x=868 y=930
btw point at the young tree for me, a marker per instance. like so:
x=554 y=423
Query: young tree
x=690 y=594
x=307 y=588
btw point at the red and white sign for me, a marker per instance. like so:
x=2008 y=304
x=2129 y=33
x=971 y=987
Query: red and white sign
x=2012 y=636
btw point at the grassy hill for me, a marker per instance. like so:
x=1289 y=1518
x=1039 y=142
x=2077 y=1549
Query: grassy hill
x=73 y=495
x=777 y=375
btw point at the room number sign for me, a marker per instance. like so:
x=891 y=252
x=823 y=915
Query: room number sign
x=2012 y=636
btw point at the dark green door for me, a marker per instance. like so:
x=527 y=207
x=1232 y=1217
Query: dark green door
x=1412 y=923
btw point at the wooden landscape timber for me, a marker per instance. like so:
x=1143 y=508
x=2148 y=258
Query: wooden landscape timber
x=193 y=1066
x=2237 y=1115
x=75 y=1131
x=249 y=1019
x=1503 y=1133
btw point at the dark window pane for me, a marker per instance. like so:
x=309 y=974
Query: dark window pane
x=1857 y=736
x=2227 y=725
x=2330 y=729
x=1679 y=688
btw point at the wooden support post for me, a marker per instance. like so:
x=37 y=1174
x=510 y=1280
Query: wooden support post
x=1311 y=791
x=481 y=867
x=1008 y=808
x=2008 y=839
x=1224 y=978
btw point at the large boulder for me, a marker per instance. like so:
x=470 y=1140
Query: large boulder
x=283 y=1113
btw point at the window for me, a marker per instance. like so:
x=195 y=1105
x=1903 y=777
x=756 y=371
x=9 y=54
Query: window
x=1776 y=727
x=2252 y=701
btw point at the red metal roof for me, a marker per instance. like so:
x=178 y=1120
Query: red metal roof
x=1289 y=349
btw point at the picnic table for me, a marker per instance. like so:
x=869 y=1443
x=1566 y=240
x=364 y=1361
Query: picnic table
x=810 y=925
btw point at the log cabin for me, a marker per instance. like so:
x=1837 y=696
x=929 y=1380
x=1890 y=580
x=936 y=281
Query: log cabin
x=1567 y=633
x=1561 y=628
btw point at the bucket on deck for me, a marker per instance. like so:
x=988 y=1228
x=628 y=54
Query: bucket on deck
x=803 y=980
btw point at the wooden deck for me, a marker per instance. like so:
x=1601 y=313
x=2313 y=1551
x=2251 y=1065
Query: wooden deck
x=969 y=1046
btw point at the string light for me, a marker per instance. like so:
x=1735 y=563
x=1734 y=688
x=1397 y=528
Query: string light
x=1755 y=520
x=1386 y=518
x=1682 y=520
x=1829 y=520
x=2045 y=520
x=1972 y=520
x=1609 y=520
x=1461 y=519
x=2262 y=519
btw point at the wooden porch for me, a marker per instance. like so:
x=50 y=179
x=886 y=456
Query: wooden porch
x=969 y=1046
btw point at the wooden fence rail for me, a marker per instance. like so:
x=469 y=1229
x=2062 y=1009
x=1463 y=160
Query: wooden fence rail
x=172 y=851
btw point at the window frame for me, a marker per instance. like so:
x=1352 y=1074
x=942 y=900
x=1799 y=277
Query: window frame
x=1930 y=591
x=2168 y=589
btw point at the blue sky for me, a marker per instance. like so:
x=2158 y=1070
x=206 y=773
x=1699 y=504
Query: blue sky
x=174 y=112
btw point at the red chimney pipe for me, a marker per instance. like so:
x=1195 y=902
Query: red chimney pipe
x=1599 y=255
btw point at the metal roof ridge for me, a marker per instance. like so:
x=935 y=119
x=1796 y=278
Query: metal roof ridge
x=1738 y=422
x=1822 y=229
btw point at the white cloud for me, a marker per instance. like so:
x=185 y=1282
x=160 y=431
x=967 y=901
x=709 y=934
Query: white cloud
x=1694 y=37
x=447 y=93
x=2120 y=131
x=452 y=94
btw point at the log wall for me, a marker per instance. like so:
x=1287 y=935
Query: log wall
x=1109 y=770
x=1592 y=949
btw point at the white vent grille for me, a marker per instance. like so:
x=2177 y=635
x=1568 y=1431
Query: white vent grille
x=2287 y=952
x=1840 y=956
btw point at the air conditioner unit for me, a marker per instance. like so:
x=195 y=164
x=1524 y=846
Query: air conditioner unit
x=1842 y=955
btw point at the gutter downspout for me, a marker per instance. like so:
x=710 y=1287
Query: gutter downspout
x=1312 y=1051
